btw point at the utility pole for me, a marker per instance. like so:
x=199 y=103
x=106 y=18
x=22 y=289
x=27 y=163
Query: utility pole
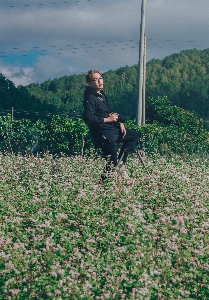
x=142 y=68
x=144 y=83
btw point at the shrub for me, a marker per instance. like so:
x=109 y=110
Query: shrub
x=171 y=130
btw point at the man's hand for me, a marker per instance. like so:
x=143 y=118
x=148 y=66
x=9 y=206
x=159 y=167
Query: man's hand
x=113 y=117
x=123 y=130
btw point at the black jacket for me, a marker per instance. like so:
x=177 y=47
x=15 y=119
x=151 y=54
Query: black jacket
x=96 y=108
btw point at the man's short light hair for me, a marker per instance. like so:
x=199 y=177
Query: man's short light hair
x=90 y=73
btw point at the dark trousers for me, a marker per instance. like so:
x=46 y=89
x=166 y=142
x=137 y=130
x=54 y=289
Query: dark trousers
x=109 y=147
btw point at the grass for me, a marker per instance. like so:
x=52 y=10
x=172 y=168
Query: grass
x=64 y=236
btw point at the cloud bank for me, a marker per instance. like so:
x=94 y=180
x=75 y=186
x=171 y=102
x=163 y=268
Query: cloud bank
x=44 y=39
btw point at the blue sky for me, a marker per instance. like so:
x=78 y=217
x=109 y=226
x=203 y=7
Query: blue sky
x=42 y=39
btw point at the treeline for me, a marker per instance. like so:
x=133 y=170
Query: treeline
x=182 y=77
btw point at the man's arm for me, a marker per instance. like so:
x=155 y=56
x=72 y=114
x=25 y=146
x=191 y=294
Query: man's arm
x=90 y=115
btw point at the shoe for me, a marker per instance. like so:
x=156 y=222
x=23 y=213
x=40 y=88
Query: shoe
x=105 y=177
x=122 y=171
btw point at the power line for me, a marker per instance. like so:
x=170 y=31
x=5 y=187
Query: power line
x=73 y=48
x=43 y=4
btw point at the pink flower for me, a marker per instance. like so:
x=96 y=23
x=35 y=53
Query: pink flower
x=57 y=292
x=14 y=291
x=180 y=219
x=183 y=230
x=155 y=238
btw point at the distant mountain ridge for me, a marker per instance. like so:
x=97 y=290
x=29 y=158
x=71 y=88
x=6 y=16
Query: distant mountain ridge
x=182 y=77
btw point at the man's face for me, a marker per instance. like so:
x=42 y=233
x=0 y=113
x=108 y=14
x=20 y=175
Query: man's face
x=96 y=82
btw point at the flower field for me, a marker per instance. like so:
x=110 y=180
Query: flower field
x=64 y=236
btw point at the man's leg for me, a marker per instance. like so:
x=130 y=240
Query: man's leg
x=128 y=141
x=109 y=150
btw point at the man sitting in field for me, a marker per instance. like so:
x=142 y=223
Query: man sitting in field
x=106 y=127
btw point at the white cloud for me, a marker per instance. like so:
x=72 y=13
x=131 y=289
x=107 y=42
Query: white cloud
x=18 y=75
x=98 y=30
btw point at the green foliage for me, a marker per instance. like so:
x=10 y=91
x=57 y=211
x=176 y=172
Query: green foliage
x=182 y=77
x=172 y=129
x=16 y=136
x=121 y=89
x=9 y=95
x=63 y=95
x=63 y=135
x=175 y=131
x=60 y=135
x=160 y=109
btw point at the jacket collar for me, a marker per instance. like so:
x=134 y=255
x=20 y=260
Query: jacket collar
x=89 y=90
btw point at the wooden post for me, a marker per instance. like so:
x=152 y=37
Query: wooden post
x=12 y=113
x=141 y=63
x=82 y=145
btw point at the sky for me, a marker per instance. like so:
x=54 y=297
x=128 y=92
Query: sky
x=47 y=39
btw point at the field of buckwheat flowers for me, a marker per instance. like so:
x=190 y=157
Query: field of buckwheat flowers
x=64 y=236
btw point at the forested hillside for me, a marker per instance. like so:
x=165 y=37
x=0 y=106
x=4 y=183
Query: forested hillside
x=182 y=77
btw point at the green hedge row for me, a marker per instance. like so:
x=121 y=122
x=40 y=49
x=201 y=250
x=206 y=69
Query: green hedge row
x=172 y=130
x=60 y=135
